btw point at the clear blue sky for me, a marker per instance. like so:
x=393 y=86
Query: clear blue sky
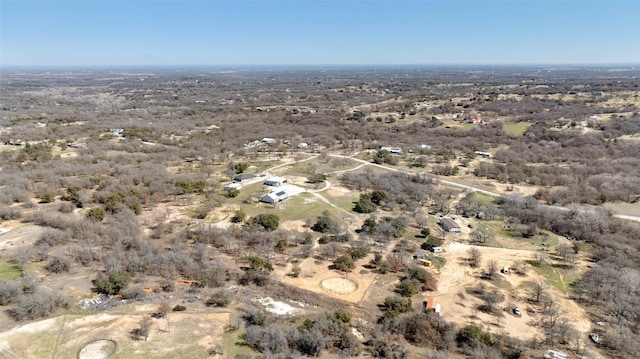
x=308 y=32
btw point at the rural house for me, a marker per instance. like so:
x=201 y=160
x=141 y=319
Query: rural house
x=449 y=225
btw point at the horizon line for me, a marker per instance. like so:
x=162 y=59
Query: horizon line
x=533 y=64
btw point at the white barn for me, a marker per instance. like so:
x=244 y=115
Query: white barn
x=274 y=197
x=275 y=181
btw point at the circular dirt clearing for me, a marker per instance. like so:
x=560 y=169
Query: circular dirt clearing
x=339 y=285
x=99 y=349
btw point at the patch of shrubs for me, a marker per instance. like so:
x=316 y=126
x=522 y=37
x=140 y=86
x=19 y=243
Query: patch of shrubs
x=218 y=299
x=112 y=283
x=59 y=264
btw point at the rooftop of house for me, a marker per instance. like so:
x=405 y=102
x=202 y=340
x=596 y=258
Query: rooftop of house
x=244 y=176
x=449 y=223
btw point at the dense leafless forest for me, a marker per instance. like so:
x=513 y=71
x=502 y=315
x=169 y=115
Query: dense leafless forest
x=114 y=182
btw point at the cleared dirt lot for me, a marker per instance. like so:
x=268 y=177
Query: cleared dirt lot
x=15 y=234
x=315 y=276
x=191 y=335
x=459 y=306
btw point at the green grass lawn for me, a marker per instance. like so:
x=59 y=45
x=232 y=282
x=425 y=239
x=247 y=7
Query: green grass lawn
x=233 y=344
x=301 y=207
x=345 y=201
x=516 y=129
x=261 y=166
x=304 y=169
x=413 y=234
x=559 y=278
x=483 y=198
x=505 y=238
x=252 y=192
x=316 y=165
x=10 y=270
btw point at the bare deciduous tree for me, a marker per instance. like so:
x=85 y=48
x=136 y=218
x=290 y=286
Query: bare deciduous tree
x=492 y=269
x=539 y=257
x=144 y=327
x=537 y=289
x=163 y=312
x=474 y=256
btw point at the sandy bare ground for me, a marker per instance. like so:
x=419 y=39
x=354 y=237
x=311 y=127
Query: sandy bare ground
x=458 y=306
x=15 y=234
x=522 y=190
x=337 y=191
x=186 y=335
x=299 y=226
x=627 y=209
x=314 y=274
x=100 y=349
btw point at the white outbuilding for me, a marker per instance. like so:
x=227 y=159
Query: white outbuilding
x=274 y=197
x=232 y=186
x=275 y=181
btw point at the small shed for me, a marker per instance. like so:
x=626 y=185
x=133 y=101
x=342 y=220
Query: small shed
x=232 y=186
x=274 y=197
x=394 y=150
x=428 y=304
x=483 y=154
x=449 y=225
x=554 y=354
x=275 y=181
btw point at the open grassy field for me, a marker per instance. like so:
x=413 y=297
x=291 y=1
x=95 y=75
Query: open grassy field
x=9 y=270
x=342 y=199
x=300 y=207
x=233 y=343
x=557 y=277
x=516 y=129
